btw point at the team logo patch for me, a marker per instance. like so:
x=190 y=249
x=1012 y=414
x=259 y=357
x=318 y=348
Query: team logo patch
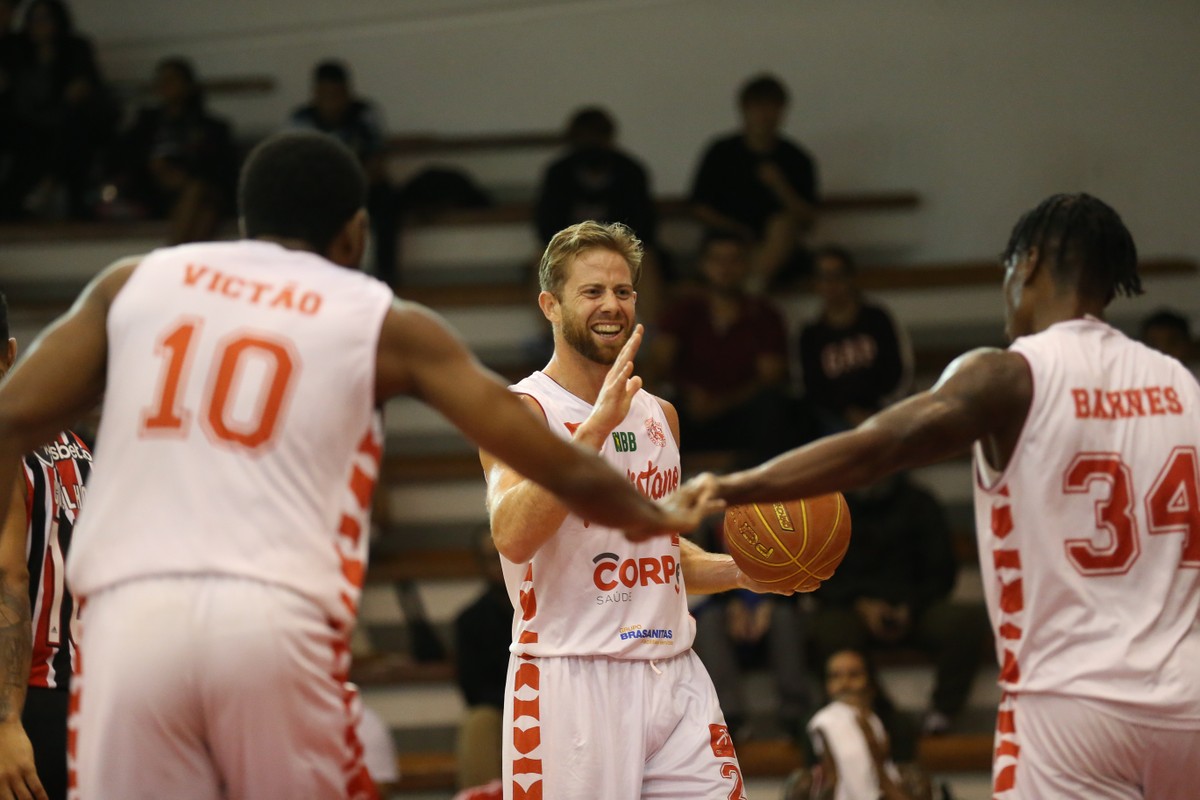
x=722 y=743
x=655 y=432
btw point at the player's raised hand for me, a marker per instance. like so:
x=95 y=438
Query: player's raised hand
x=620 y=386
x=18 y=776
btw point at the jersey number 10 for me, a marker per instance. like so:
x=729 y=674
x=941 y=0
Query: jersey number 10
x=240 y=360
x=1172 y=506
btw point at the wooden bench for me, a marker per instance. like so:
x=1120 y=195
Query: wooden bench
x=759 y=758
x=668 y=208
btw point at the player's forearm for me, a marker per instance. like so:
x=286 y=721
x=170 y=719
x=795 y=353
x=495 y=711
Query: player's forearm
x=705 y=572
x=836 y=463
x=16 y=645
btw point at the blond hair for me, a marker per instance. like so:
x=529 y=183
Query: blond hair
x=589 y=235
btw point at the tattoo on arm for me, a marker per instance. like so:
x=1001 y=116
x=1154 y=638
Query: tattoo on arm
x=16 y=646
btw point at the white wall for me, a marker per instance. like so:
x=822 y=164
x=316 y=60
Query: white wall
x=982 y=107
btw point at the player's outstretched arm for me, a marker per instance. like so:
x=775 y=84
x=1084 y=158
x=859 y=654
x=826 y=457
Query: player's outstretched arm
x=984 y=394
x=18 y=775
x=419 y=355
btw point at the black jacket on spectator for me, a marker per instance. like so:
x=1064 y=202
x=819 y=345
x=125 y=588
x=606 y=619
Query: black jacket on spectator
x=482 y=634
x=360 y=129
x=596 y=183
x=901 y=552
x=196 y=142
x=728 y=181
x=864 y=365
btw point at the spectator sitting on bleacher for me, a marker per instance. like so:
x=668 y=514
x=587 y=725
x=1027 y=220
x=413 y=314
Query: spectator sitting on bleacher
x=865 y=747
x=482 y=634
x=63 y=116
x=10 y=55
x=724 y=354
x=760 y=185
x=894 y=587
x=740 y=629
x=176 y=161
x=596 y=180
x=1170 y=332
x=334 y=109
x=854 y=358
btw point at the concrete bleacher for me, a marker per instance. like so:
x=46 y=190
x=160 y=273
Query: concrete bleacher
x=472 y=267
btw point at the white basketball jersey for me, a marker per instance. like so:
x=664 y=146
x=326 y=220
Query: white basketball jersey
x=589 y=590
x=1090 y=539
x=239 y=435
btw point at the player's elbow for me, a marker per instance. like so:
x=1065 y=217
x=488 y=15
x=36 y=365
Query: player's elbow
x=514 y=548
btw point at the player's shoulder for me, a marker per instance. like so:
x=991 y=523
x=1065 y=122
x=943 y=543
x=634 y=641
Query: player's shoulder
x=988 y=372
x=667 y=406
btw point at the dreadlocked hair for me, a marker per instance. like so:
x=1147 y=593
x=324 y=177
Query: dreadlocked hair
x=1084 y=241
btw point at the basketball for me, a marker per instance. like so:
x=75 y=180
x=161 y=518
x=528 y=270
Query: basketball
x=789 y=544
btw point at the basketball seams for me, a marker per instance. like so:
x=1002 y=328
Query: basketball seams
x=743 y=516
x=792 y=559
x=754 y=557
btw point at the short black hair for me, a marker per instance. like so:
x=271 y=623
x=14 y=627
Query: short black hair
x=179 y=64
x=839 y=254
x=64 y=24
x=763 y=89
x=1084 y=242
x=332 y=71
x=3 y=320
x=300 y=185
x=591 y=124
x=1166 y=318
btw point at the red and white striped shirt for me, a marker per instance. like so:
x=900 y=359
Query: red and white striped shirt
x=55 y=475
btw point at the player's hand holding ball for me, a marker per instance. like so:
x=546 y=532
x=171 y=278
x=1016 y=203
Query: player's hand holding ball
x=788 y=547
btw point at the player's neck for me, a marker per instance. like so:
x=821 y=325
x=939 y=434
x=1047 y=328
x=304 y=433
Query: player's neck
x=580 y=376
x=1065 y=308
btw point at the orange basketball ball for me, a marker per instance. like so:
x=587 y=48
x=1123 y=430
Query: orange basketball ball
x=789 y=544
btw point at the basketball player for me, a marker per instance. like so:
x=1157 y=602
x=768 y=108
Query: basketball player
x=224 y=547
x=605 y=697
x=1087 y=509
x=38 y=527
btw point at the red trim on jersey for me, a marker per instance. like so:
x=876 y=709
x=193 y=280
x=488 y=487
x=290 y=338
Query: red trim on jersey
x=1010 y=672
x=1006 y=558
x=527 y=740
x=371 y=447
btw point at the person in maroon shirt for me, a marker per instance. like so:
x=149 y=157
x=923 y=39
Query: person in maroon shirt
x=725 y=354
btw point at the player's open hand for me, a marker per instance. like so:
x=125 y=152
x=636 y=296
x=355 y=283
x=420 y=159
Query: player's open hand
x=685 y=509
x=620 y=386
x=18 y=776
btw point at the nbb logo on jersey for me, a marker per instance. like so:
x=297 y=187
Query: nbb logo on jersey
x=613 y=572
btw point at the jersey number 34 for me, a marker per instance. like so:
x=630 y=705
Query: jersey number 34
x=1172 y=506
